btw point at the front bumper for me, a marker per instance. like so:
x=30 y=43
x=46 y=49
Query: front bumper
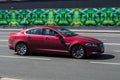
x=96 y=53
x=95 y=50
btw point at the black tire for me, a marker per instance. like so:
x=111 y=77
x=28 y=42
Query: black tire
x=21 y=49
x=78 y=52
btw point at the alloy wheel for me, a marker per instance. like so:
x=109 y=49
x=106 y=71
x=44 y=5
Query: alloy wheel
x=78 y=52
x=21 y=49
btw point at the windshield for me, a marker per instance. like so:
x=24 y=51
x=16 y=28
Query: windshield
x=66 y=32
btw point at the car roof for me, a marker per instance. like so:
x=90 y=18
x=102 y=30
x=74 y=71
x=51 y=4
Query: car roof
x=53 y=27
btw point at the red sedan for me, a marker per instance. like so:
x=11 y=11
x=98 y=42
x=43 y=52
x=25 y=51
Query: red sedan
x=54 y=40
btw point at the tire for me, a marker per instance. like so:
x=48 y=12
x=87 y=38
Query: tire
x=21 y=49
x=78 y=52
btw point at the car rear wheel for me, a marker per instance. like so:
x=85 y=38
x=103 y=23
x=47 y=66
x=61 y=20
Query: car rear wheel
x=78 y=52
x=21 y=49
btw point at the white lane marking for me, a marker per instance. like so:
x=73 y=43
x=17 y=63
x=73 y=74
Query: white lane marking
x=112 y=44
x=99 y=35
x=4 y=36
x=17 y=57
x=4 y=40
x=9 y=79
x=110 y=63
x=3 y=46
x=116 y=50
x=101 y=39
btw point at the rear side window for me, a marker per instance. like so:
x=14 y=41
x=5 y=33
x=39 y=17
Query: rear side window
x=37 y=31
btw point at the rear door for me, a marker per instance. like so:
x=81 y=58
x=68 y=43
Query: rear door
x=35 y=38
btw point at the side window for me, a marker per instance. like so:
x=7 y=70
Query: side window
x=28 y=32
x=37 y=31
x=49 y=32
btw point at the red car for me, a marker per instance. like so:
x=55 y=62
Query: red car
x=54 y=40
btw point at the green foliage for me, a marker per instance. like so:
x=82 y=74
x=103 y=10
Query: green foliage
x=64 y=17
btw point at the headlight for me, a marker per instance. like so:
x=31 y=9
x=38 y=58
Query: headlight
x=91 y=44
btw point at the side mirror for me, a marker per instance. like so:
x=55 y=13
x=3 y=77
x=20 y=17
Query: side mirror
x=59 y=36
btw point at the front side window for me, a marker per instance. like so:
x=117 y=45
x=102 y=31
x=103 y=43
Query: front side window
x=49 y=32
x=37 y=31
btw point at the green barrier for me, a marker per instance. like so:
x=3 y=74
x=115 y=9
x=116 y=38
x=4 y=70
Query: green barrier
x=63 y=17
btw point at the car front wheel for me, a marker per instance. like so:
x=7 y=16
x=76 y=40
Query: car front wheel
x=21 y=49
x=78 y=52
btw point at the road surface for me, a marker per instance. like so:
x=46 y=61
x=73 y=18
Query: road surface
x=61 y=67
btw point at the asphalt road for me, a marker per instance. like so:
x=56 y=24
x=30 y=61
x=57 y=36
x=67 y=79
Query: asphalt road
x=61 y=67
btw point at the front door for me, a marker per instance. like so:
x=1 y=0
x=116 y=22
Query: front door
x=52 y=42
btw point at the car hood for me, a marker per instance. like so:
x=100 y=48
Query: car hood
x=86 y=39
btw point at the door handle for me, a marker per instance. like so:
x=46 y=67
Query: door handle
x=46 y=38
x=28 y=37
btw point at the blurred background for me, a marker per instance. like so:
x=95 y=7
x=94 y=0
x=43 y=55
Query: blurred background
x=73 y=13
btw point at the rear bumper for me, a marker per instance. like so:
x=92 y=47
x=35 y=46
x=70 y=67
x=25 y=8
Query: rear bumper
x=11 y=47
